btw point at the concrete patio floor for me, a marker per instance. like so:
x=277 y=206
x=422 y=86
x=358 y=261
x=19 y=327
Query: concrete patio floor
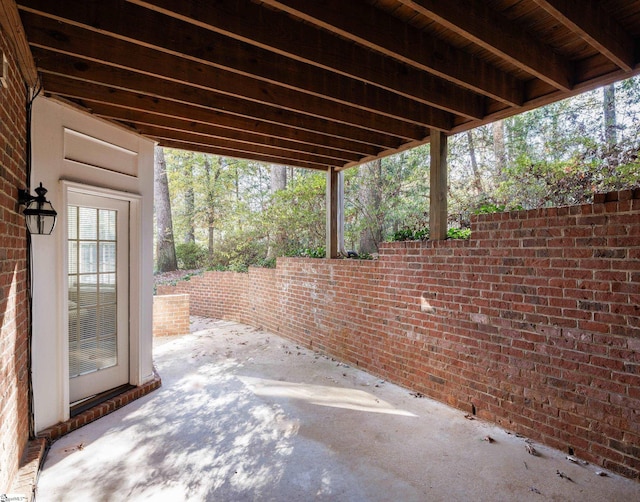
x=244 y=415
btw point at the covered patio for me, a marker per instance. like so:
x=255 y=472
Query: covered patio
x=244 y=414
x=534 y=322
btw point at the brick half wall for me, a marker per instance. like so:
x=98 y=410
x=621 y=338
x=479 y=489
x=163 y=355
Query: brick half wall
x=534 y=323
x=170 y=315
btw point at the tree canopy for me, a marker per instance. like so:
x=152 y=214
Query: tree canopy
x=230 y=213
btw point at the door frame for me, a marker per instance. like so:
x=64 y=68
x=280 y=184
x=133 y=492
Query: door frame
x=134 y=277
x=91 y=383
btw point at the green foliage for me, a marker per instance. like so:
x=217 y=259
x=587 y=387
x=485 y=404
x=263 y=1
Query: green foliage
x=316 y=252
x=190 y=255
x=266 y=263
x=560 y=154
x=557 y=155
x=295 y=218
x=534 y=184
x=489 y=208
x=459 y=233
x=237 y=250
x=172 y=279
x=385 y=195
x=410 y=234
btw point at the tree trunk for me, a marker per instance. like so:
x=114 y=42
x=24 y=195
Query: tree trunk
x=370 y=197
x=236 y=175
x=211 y=180
x=278 y=182
x=499 y=148
x=210 y=234
x=278 y=178
x=165 y=247
x=610 y=120
x=189 y=203
x=477 y=180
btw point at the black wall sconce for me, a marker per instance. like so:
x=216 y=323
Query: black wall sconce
x=39 y=213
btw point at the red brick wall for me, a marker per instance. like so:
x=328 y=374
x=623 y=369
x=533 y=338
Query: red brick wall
x=14 y=407
x=225 y=300
x=170 y=315
x=534 y=323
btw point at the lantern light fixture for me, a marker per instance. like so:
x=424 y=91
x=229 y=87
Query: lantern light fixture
x=39 y=213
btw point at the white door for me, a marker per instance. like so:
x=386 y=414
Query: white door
x=98 y=294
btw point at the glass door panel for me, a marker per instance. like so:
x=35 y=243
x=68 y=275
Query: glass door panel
x=97 y=249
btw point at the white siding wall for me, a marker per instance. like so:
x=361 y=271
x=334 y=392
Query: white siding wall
x=73 y=146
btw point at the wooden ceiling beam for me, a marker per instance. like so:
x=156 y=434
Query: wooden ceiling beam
x=141 y=121
x=359 y=142
x=267 y=102
x=12 y=26
x=138 y=24
x=154 y=131
x=388 y=35
x=73 y=40
x=595 y=26
x=224 y=152
x=323 y=82
x=474 y=20
x=256 y=25
x=272 y=107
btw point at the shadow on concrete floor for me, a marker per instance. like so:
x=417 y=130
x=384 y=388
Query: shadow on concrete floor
x=244 y=415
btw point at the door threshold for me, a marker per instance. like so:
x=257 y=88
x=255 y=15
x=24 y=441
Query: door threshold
x=87 y=403
x=99 y=410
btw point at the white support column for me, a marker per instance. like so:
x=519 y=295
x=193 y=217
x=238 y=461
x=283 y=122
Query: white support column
x=332 y=213
x=438 y=188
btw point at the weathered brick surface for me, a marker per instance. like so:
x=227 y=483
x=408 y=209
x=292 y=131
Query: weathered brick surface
x=170 y=315
x=24 y=483
x=14 y=346
x=534 y=322
x=226 y=300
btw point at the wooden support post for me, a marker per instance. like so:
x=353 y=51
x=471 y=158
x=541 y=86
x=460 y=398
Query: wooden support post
x=341 y=250
x=438 y=187
x=332 y=213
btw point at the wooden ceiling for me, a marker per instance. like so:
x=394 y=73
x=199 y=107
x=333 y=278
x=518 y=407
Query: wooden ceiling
x=319 y=83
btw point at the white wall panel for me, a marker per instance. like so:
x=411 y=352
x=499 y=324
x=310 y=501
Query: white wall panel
x=71 y=146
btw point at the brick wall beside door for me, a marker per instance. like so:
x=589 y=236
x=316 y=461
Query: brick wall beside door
x=14 y=345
